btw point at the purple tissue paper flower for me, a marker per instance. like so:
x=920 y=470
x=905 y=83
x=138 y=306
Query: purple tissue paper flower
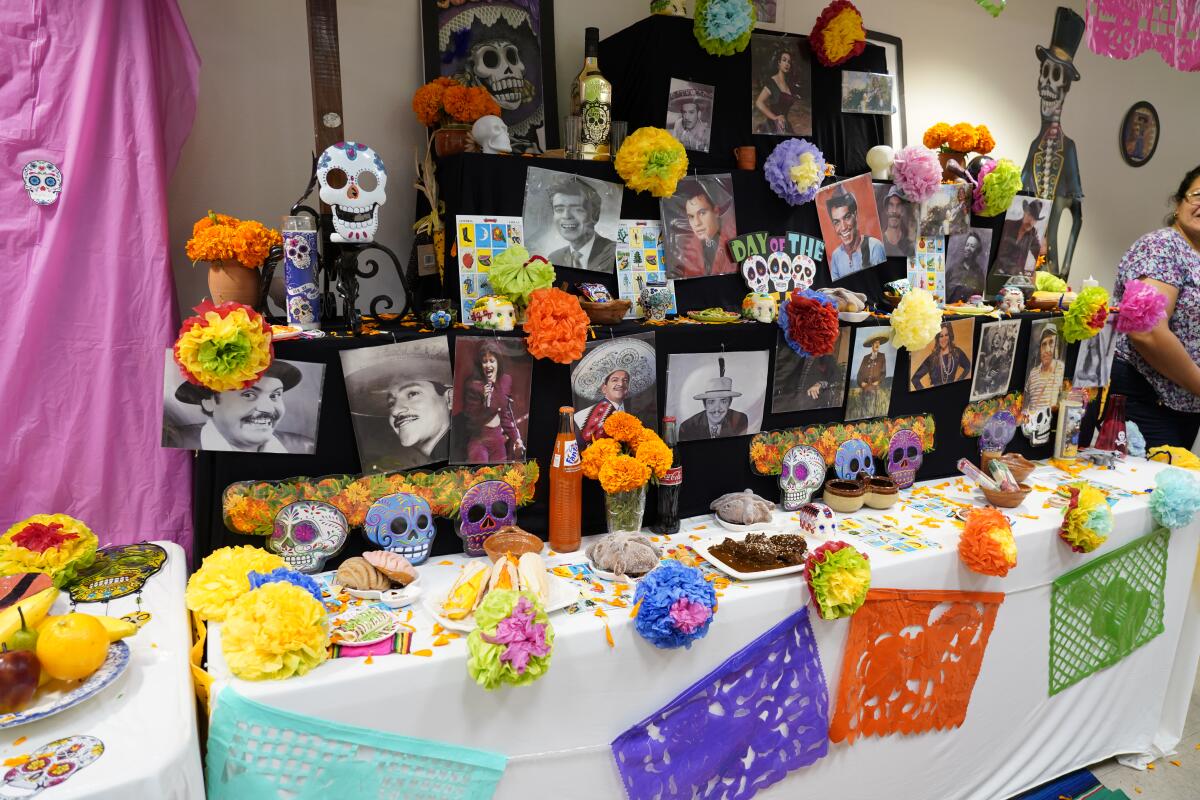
x=523 y=636
x=778 y=168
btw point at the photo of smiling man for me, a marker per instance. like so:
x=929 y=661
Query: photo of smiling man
x=278 y=414
x=571 y=219
x=400 y=396
x=850 y=226
x=698 y=222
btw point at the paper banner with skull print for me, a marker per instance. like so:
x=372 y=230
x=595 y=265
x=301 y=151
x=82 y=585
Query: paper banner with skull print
x=307 y=534
x=777 y=262
x=802 y=473
x=486 y=507
x=904 y=457
x=43 y=181
x=118 y=570
x=402 y=523
x=353 y=182
x=50 y=765
x=853 y=457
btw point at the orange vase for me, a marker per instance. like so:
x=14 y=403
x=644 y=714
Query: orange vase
x=229 y=280
x=451 y=140
x=945 y=157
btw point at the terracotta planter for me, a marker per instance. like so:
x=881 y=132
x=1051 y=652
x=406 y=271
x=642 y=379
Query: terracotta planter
x=451 y=140
x=945 y=157
x=229 y=280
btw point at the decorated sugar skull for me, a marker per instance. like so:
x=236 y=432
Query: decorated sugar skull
x=118 y=570
x=486 y=507
x=51 y=764
x=43 y=182
x=853 y=457
x=300 y=309
x=760 y=307
x=1010 y=300
x=754 y=270
x=493 y=312
x=308 y=533
x=801 y=473
x=1036 y=424
x=297 y=250
x=906 y=451
x=353 y=180
x=804 y=272
x=816 y=519
x=779 y=267
x=402 y=523
x=998 y=431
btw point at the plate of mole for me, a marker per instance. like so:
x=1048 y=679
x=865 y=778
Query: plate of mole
x=751 y=554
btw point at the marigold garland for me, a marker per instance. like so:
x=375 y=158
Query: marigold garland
x=838 y=579
x=224 y=576
x=274 y=632
x=987 y=545
x=556 y=326
x=998 y=184
x=794 y=170
x=444 y=100
x=224 y=347
x=1088 y=519
x=651 y=160
x=809 y=321
x=723 y=27
x=220 y=237
x=838 y=34
x=517 y=275
x=916 y=320
x=52 y=544
x=1086 y=316
x=1143 y=306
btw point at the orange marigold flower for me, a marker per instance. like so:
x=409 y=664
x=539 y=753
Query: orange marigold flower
x=936 y=135
x=597 y=453
x=623 y=473
x=984 y=143
x=623 y=426
x=962 y=137
x=656 y=455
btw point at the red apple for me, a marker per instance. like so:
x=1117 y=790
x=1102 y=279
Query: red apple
x=19 y=673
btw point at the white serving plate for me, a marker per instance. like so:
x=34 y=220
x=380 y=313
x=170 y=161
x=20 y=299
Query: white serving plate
x=702 y=549
x=753 y=527
x=390 y=630
x=392 y=598
x=49 y=703
x=563 y=593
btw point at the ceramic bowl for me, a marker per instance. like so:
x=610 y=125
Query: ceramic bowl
x=881 y=493
x=1020 y=466
x=511 y=540
x=1002 y=499
x=844 y=497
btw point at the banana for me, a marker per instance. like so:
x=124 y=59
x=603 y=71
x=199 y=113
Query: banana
x=35 y=608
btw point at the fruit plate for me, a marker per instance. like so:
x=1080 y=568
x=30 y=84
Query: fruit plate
x=563 y=593
x=702 y=550
x=49 y=703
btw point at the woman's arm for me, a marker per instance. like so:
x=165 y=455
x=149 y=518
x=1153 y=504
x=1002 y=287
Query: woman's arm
x=964 y=363
x=1162 y=349
x=926 y=368
x=761 y=104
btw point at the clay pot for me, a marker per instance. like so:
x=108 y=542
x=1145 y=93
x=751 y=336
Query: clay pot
x=1002 y=499
x=1020 y=466
x=881 y=493
x=229 y=280
x=511 y=539
x=451 y=140
x=746 y=157
x=945 y=157
x=845 y=497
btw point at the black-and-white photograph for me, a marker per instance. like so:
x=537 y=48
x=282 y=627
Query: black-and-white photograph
x=698 y=222
x=872 y=372
x=948 y=212
x=400 y=397
x=689 y=113
x=1093 y=365
x=966 y=264
x=572 y=219
x=615 y=375
x=278 y=414
x=1045 y=364
x=898 y=218
x=1022 y=240
x=781 y=85
x=490 y=414
x=994 y=363
x=717 y=395
x=867 y=93
x=806 y=384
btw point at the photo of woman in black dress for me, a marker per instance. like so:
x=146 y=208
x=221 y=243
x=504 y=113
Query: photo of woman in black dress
x=946 y=362
x=782 y=95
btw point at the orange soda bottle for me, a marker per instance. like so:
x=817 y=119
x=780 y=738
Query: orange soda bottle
x=566 y=485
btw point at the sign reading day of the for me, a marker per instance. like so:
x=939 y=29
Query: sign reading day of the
x=777 y=262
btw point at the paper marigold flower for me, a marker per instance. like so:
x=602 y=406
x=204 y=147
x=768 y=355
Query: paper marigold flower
x=1088 y=519
x=52 y=544
x=838 y=579
x=512 y=642
x=794 y=170
x=623 y=426
x=838 y=34
x=917 y=173
x=809 y=321
x=1143 y=306
x=998 y=184
x=224 y=347
x=651 y=160
x=224 y=576
x=1087 y=315
x=987 y=545
x=556 y=326
x=723 y=27
x=674 y=605
x=517 y=275
x=1175 y=499
x=274 y=632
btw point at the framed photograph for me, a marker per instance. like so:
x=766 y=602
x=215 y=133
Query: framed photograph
x=893 y=50
x=1139 y=134
x=572 y=219
x=1045 y=366
x=717 y=395
x=1093 y=365
x=948 y=212
x=994 y=363
x=966 y=264
x=945 y=360
x=807 y=384
x=871 y=373
x=615 y=375
x=867 y=93
x=1022 y=240
x=898 y=217
x=490 y=413
x=278 y=414
x=770 y=14
x=781 y=85
x=689 y=113
x=698 y=222
x=506 y=46
x=850 y=226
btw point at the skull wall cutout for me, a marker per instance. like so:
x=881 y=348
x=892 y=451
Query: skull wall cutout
x=804 y=272
x=998 y=431
x=486 y=507
x=402 y=523
x=43 y=182
x=118 y=570
x=307 y=534
x=853 y=456
x=906 y=451
x=816 y=519
x=779 y=267
x=801 y=474
x=353 y=180
x=754 y=270
x=1036 y=424
x=52 y=764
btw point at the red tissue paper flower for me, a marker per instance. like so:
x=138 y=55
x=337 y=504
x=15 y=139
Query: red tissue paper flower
x=811 y=327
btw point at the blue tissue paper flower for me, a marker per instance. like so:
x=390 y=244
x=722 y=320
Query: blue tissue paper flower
x=674 y=605
x=285 y=575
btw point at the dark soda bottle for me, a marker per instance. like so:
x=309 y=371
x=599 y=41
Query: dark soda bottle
x=669 y=485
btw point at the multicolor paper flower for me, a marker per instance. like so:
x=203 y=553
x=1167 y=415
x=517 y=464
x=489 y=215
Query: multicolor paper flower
x=1088 y=519
x=809 y=321
x=274 y=632
x=556 y=325
x=651 y=160
x=794 y=170
x=1142 y=307
x=512 y=641
x=224 y=576
x=917 y=173
x=673 y=605
x=1086 y=316
x=53 y=544
x=517 y=275
x=224 y=347
x=998 y=183
x=1175 y=499
x=285 y=575
x=987 y=545
x=838 y=579
x=723 y=27
x=839 y=34
x=916 y=320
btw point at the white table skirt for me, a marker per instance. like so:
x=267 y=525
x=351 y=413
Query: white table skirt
x=556 y=731
x=147 y=718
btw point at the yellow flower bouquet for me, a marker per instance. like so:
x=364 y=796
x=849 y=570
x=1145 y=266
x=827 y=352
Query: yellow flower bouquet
x=624 y=461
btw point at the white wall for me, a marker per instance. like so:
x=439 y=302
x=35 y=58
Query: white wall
x=248 y=154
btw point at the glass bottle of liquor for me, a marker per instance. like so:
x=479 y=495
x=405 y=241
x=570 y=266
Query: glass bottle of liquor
x=670 y=485
x=591 y=100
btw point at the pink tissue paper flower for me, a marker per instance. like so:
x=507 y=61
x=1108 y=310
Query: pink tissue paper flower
x=1142 y=307
x=917 y=173
x=523 y=636
x=688 y=615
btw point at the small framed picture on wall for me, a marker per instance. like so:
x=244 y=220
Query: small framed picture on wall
x=1139 y=134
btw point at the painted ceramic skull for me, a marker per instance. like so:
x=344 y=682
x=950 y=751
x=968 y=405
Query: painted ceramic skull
x=402 y=523
x=51 y=764
x=853 y=456
x=43 y=182
x=486 y=507
x=297 y=250
x=998 y=431
x=493 y=312
x=760 y=307
x=804 y=272
x=801 y=474
x=1011 y=300
x=779 y=267
x=1036 y=424
x=905 y=454
x=816 y=519
x=754 y=270
x=353 y=180
x=307 y=534
x=118 y=570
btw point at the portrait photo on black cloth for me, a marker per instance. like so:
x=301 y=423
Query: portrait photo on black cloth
x=871 y=373
x=490 y=412
x=898 y=218
x=698 y=222
x=278 y=414
x=781 y=85
x=1045 y=364
x=689 y=113
x=850 y=226
x=1022 y=240
x=806 y=384
x=966 y=264
x=400 y=396
x=615 y=375
x=948 y=212
x=572 y=220
x=867 y=93
x=717 y=395
x=1093 y=365
x=994 y=362
x=945 y=360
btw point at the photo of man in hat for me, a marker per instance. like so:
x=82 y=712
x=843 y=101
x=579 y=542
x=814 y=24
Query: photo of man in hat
x=1022 y=240
x=614 y=375
x=717 y=420
x=874 y=365
x=716 y=395
x=245 y=420
x=564 y=215
x=689 y=111
x=699 y=222
x=400 y=397
x=899 y=220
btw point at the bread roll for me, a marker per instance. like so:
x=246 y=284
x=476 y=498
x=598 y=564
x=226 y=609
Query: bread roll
x=395 y=566
x=356 y=573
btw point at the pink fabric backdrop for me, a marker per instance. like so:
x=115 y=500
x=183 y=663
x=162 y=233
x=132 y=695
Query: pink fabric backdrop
x=106 y=89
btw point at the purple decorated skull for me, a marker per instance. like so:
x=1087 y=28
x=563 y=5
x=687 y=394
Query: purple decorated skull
x=802 y=472
x=307 y=533
x=853 y=457
x=998 y=431
x=905 y=454
x=402 y=523
x=50 y=765
x=486 y=507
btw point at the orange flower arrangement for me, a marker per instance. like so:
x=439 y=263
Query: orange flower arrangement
x=444 y=100
x=936 y=136
x=557 y=326
x=220 y=237
x=628 y=458
x=963 y=138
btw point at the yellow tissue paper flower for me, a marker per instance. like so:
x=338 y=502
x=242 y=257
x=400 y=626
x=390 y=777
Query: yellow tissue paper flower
x=916 y=320
x=53 y=544
x=222 y=579
x=276 y=631
x=651 y=160
x=805 y=174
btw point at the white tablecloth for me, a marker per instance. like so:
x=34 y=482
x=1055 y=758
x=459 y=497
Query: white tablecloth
x=146 y=719
x=556 y=731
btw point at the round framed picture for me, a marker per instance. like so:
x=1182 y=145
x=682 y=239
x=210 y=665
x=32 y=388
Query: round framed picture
x=1139 y=134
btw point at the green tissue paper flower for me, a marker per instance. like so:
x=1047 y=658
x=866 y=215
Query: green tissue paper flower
x=512 y=277
x=522 y=640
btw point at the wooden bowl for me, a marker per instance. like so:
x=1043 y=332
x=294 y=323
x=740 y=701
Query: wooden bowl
x=609 y=313
x=1002 y=499
x=511 y=539
x=1020 y=466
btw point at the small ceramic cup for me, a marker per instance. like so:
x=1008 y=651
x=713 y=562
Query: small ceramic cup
x=845 y=497
x=881 y=493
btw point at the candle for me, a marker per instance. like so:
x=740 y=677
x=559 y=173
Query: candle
x=1090 y=282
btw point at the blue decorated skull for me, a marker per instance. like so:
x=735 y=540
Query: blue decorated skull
x=402 y=523
x=853 y=457
x=486 y=507
x=998 y=431
x=905 y=454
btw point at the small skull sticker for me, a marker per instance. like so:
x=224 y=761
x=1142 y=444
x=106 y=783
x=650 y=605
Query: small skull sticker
x=43 y=181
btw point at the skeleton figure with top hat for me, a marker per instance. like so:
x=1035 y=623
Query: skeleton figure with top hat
x=1052 y=168
x=717 y=420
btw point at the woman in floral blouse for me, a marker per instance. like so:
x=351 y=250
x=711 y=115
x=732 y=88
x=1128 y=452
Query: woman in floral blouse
x=1159 y=371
